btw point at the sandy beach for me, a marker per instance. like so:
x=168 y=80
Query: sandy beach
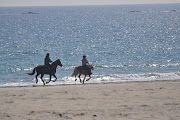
x=159 y=100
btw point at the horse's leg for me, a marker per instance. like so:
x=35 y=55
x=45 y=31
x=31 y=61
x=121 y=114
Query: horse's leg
x=42 y=78
x=75 y=78
x=79 y=77
x=84 y=78
x=89 y=78
x=49 y=79
x=37 y=78
x=55 y=77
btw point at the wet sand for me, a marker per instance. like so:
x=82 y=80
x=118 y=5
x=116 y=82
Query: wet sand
x=159 y=100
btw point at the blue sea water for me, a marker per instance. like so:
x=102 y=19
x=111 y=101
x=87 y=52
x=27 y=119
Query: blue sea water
x=125 y=42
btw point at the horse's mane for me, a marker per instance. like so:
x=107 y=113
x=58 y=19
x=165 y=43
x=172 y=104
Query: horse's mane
x=91 y=65
x=54 y=61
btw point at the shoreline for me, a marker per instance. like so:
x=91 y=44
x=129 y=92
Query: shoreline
x=47 y=85
x=136 y=100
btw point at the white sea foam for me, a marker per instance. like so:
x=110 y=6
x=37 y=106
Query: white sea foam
x=132 y=77
x=104 y=79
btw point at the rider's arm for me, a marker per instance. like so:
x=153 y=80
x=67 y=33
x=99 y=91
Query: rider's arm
x=49 y=60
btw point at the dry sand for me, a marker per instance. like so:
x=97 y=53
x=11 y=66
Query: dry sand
x=113 y=101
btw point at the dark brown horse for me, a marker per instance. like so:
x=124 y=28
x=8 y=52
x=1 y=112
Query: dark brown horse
x=80 y=70
x=43 y=69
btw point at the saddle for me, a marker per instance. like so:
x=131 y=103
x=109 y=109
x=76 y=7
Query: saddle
x=49 y=68
x=86 y=68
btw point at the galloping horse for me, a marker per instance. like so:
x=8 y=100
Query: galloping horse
x=43 y=69
x=80 y=70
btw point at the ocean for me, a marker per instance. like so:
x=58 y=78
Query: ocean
x=125 y=42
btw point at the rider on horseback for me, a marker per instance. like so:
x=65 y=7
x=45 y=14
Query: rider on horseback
x=85 y=64
x=47 y=61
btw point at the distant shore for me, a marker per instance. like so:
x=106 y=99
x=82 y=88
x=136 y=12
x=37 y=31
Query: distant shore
x=130 y=100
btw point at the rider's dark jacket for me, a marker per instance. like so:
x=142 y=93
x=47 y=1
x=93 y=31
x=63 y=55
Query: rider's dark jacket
x=47 y=61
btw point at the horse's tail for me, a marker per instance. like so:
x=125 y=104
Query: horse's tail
x=74 y=72
x=32 y=72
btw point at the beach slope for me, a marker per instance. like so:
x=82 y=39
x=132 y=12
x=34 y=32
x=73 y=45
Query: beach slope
x=158 y=100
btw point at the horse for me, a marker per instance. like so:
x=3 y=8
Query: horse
x=44 y=69
x=80 y=70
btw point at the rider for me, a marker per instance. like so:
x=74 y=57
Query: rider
x=47 y=61
x=85 y=64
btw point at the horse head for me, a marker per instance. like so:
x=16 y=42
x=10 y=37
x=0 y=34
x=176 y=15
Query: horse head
x=91 y=66
x=59 y=62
